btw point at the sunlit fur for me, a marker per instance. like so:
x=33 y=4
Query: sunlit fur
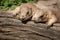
x=27 y=10
x=25 y=13
x=45 y=15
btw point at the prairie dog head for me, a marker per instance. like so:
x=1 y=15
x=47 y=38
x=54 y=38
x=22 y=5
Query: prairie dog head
x=40 y=16
x=25 y=13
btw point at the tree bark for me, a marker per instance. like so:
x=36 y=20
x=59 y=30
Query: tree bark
x=12 y=28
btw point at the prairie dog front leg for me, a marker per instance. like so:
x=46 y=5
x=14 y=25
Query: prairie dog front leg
x=51 y=21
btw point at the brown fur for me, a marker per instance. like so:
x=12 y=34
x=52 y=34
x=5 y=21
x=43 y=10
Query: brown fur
x=45 y=15
x=27 y=10
x=57 y=14
x=25 y=13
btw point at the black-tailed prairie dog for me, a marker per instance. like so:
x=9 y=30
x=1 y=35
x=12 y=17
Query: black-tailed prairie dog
x=27 y=10
x=23 y=12
x=48 y=16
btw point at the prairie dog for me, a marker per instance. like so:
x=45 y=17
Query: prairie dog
x=27 y=10
x=46 y=14
x=25 y=13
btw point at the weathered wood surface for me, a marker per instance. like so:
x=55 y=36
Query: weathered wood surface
x=11 y=28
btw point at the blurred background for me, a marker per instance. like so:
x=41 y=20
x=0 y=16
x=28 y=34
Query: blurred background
x=11 y=4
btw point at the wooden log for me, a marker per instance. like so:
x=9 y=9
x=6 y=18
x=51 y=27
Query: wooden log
x=53 y=34
x=8 y=37
x=13 y=29
x=6 y=14
x=9 y=21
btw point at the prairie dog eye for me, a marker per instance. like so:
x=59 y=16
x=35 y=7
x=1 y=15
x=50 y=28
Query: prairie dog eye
x=41 y=16
x=28 y=12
